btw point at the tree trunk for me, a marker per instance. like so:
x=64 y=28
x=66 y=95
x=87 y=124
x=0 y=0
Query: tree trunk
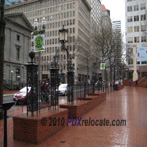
x=110 y=72
x=2 y=43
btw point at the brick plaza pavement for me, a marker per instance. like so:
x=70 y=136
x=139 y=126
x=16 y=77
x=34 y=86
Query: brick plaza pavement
x=129 y=103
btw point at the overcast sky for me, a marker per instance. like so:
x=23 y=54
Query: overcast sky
x=117 y=10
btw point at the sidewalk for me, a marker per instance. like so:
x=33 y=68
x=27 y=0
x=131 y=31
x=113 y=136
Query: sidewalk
x=129 y=103
x=10 y=92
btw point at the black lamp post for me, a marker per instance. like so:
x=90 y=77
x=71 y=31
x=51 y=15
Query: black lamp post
x=70 y=74
x=5 y=107
x=54 y=72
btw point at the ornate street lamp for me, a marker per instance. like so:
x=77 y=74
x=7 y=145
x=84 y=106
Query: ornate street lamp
x=36 y=24
x=70 y=74
x=43 y=23
x=41 y=47
x=63 y=35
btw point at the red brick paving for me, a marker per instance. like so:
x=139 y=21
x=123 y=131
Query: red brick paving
x=129 y=103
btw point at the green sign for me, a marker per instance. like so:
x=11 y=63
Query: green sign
x=102 y=66
x=39 y=41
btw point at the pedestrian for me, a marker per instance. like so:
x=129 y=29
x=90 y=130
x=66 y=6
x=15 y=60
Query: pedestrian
x=136 y=83
x=129 y=82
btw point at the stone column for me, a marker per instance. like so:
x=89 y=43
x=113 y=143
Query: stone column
x=135 y=74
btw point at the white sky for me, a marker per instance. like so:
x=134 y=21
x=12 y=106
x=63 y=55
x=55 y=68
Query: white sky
x=117 y=10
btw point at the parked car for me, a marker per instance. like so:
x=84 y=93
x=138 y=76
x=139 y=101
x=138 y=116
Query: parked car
x=62 y=89
x=21 y=96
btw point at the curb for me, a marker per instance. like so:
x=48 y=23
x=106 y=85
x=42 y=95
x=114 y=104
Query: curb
x=8 y=94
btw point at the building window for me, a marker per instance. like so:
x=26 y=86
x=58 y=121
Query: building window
x=65 y=15
x=142 y=6
x=143 y=28
x=130 y=29
x=143 y=38
x=70 y=13
x=61 y=15
x=70 y=30
x=70 y=5
x=136 y=28
x=17 y=53
x=58 y=24
x=18 y=38
x=130 y=39
x=136 y=7
x=130 y=19
x=143 y=17
x=129 y=8
x=136 y=18
x=73 y=38
x=136 y=39
x=73 y=13
x=67 y=6
x=70 y=22
x=73 y=30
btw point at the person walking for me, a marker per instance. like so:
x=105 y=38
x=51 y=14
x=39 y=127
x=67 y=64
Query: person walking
x=130 y=83
x=136 y=83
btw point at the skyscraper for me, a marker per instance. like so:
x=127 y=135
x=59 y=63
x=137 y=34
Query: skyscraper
x=116 y=26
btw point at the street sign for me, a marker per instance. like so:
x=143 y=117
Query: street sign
x=39 y=41
x=102 y=66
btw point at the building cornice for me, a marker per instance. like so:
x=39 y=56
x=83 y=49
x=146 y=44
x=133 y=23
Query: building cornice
x=8 y=18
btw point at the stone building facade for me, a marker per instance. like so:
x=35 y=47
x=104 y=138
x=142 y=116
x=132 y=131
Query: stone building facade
x=17 y=46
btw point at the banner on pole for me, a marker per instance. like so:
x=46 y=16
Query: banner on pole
x=39 y=41
x=141 y=53
x=102 y=66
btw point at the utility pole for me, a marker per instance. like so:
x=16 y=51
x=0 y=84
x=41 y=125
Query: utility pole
x=2 y=43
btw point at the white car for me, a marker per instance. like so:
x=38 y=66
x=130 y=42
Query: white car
x=62 y=89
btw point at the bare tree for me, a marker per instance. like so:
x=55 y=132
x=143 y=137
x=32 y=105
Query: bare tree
x=109 y=45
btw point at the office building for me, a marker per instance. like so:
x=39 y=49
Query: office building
x=75 y=16
x=136 y=28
